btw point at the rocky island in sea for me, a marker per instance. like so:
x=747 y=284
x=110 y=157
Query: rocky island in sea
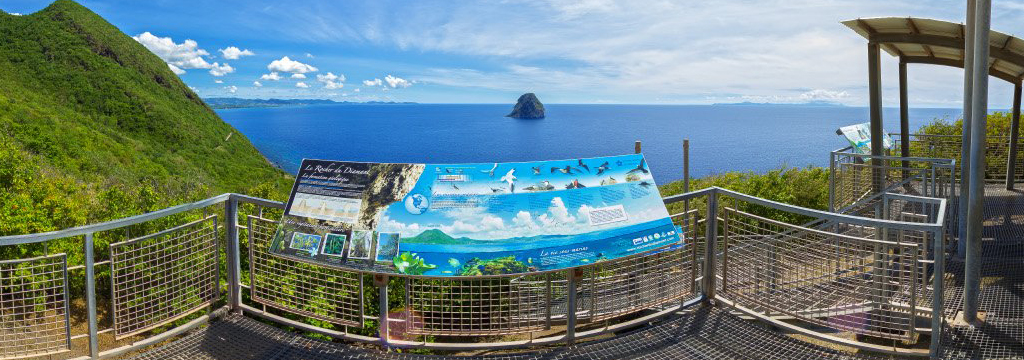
x=528 y=107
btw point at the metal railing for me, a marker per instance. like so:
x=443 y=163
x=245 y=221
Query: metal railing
x=997 y=150
x=161 y=270
x=852 y=182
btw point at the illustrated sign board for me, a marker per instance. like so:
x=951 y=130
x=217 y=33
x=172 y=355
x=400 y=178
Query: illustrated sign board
x=473 y=219
x=859 y=137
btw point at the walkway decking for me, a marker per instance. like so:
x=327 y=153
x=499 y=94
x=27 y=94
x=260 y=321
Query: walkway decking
x=704 y=333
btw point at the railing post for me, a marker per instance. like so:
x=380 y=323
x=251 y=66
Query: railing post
x=686 y=213
x=234 y=268
x=572 y=276
x=938 y=312
x=832 y=181
x=90 y=297
x=381 y=282
x=708 y=277
x=1011 y=159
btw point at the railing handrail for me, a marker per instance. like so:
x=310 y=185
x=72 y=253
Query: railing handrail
x=844 y=218
x=112 y=224
x=953 y=136
x=845 y=151
x=132 y=220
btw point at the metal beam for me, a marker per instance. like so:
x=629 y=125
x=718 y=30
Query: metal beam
x=996 y=52
x=1010 y=78
x=1011 y=161
x=976 y=206
x=914 y=30
x=875 y=100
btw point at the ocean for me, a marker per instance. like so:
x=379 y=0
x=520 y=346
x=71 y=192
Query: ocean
x=722 y=137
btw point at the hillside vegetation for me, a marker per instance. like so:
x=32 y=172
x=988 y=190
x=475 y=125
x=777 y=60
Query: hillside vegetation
x=94 y=127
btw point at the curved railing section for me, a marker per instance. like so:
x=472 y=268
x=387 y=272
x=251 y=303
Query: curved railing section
x=162 y=273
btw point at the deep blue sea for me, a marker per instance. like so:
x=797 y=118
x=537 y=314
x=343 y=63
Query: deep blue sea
x=722 y=137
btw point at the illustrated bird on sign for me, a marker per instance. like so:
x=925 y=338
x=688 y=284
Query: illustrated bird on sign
x=575 y=184
x=582 y=165
x=510 y=178
x=639 y=168
x=604 y=167
x=491 y=171
x=536 y=170
x=644 y=184
x=566 y=170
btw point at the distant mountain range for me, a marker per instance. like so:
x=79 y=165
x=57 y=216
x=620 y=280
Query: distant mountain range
x=232 y=103
x=809 y=103
x=439 y=237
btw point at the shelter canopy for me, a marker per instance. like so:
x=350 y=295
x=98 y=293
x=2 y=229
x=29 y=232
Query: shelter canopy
x=929 y=41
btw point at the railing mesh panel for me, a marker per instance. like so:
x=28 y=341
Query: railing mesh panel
x=997 y=152
x=164 y=276
x=636 y=283
x=485 y=306
x=842 y=282
x=33 y=307
x=318 y=292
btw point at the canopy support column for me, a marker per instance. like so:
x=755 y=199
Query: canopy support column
x=875 y=95
x=976 y=207
x=904 y=119
x=1011 y=161
x=965 y=138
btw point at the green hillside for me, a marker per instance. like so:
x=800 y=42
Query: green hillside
x=93 y=126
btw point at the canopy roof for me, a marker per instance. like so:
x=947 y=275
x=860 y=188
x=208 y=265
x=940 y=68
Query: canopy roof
x=929 y=41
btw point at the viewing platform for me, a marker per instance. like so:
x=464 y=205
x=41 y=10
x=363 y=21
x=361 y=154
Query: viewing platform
x=788 y=282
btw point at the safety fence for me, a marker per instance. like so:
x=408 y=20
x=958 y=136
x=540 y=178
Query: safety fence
x=826 y=269
x=162 y=273
x=997 y=153
x=858 y=184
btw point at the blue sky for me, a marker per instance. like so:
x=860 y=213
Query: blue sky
x=589 y=51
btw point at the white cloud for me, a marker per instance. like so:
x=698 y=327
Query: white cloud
x=395 y=81
x=330 y=77
x=233 y=53
x=271 y=76
x=301 y=85
x=221 y=70
x=186 y=55
x=356 y=90
x=298 y=76
x=218 y=81
x=16 y=14
x=291 y=66
x=331 y=81
x=374 y=82
x=308 y=55
x=525 y=220
x=824 y=95
x=257 y=84
x=175 y=69
x=231 y=89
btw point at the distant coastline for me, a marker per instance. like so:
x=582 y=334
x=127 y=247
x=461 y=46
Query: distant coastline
x=237 y=103
x=809 y=103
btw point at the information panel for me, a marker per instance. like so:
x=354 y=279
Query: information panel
x=473 y=219
x=859 y=137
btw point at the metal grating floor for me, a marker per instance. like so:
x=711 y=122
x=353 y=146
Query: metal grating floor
x=706 y=333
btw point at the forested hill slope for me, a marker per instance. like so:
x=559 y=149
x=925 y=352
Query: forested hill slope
x=94 y=126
